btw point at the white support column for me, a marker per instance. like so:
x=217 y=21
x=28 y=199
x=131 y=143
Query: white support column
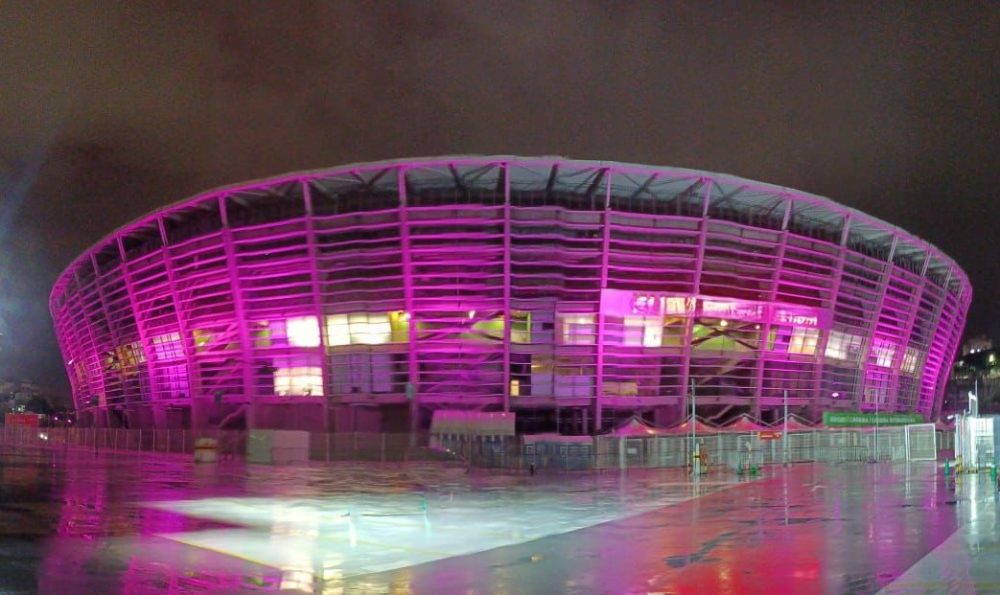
x=605 y=247
x=699 y=266
x=413 y=371
x=772 y=296
x=313 y=252
x=507 y=319
x=245 y=342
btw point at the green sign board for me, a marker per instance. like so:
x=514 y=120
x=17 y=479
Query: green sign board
x=856 y=418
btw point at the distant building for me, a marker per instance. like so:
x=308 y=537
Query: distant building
x=977 y=372
x=977 y=344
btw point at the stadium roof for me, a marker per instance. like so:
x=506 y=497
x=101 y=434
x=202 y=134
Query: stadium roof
x=729 y=198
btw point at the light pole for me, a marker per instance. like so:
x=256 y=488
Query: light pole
x=876 y=426
x=695 y=454
x=784 y=432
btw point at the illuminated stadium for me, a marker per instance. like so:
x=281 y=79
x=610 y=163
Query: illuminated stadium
x=574 y=293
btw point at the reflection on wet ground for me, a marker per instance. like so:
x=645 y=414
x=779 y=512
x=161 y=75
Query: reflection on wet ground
x=73 y=521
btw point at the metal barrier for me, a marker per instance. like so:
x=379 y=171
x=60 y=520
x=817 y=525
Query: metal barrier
x=723 y=450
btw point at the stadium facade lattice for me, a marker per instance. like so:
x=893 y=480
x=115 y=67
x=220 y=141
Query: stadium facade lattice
x=574 y=293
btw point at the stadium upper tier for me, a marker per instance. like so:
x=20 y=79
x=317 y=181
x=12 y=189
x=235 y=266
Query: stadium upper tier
x=509 y=283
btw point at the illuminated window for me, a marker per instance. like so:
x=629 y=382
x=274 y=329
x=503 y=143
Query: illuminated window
x=520 y=329
x=678 y=306
x=297 y=380
x=338 y=331
x=845 y=346
x=575 y=329
x=884 y=352
x=202 y=339
x=358 y=329
x=803 y=340
x=168 y=347
x=302 y=331
x=910 y=360
x=260 y=332
x=644 y=331
x=129 y=357
x=515 y=387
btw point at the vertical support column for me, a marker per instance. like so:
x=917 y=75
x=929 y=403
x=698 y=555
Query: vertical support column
x=772 y=296
x=838 y=274
x=605 y=247
x=112 y=330
x=313 y=252
x=879 y=304
x=507 y=319
x=699 y=265
x=94 y=346
x=907 y=335
x=950 y=348
x=413 y=371
x=194 y=382
x=139 y=325
x=241 y=319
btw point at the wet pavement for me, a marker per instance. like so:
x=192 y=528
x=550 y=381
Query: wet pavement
x=80 y=522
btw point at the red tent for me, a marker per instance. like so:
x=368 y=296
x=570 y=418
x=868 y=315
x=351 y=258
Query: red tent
x=795 y=424
x=700 y=427
x=636 y=428
x=744 y=423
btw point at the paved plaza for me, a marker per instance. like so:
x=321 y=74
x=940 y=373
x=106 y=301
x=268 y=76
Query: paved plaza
x=78 y=521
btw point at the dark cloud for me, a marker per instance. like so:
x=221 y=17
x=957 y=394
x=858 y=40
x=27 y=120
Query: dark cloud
x=109 y=111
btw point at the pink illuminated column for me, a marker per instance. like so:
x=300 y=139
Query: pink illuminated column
x=772 y=297
x=817 y=402
x=246 y=345
x=198 y=414
x=113 y=331
x=507 y=319
x=140 y=325
x=699 y=265
x=413 y=372
x=873 y=324
x=605 y=248
x=911 y=319
x=317 y=301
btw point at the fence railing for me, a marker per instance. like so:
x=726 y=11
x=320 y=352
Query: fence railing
x=730 y=451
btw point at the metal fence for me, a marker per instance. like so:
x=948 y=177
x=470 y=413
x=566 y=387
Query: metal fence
x=718 y=451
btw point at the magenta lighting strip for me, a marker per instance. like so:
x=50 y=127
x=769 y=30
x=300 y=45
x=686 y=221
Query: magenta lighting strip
x=511 y=283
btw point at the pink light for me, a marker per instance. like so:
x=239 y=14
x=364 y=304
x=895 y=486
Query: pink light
x=608 y=294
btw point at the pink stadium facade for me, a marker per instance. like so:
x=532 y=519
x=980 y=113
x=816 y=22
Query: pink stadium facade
x=574 y=293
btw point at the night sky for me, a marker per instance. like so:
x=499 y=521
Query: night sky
x=109 y=110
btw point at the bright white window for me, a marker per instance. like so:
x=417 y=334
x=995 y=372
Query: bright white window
x=299 y=381
x=338 y=331
x=884 y=353
x=358 y=329
x=576 y=329
x=803 y=340
x=645 y=331
x=302 y=331
x=910 y=360
x=844 y=346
